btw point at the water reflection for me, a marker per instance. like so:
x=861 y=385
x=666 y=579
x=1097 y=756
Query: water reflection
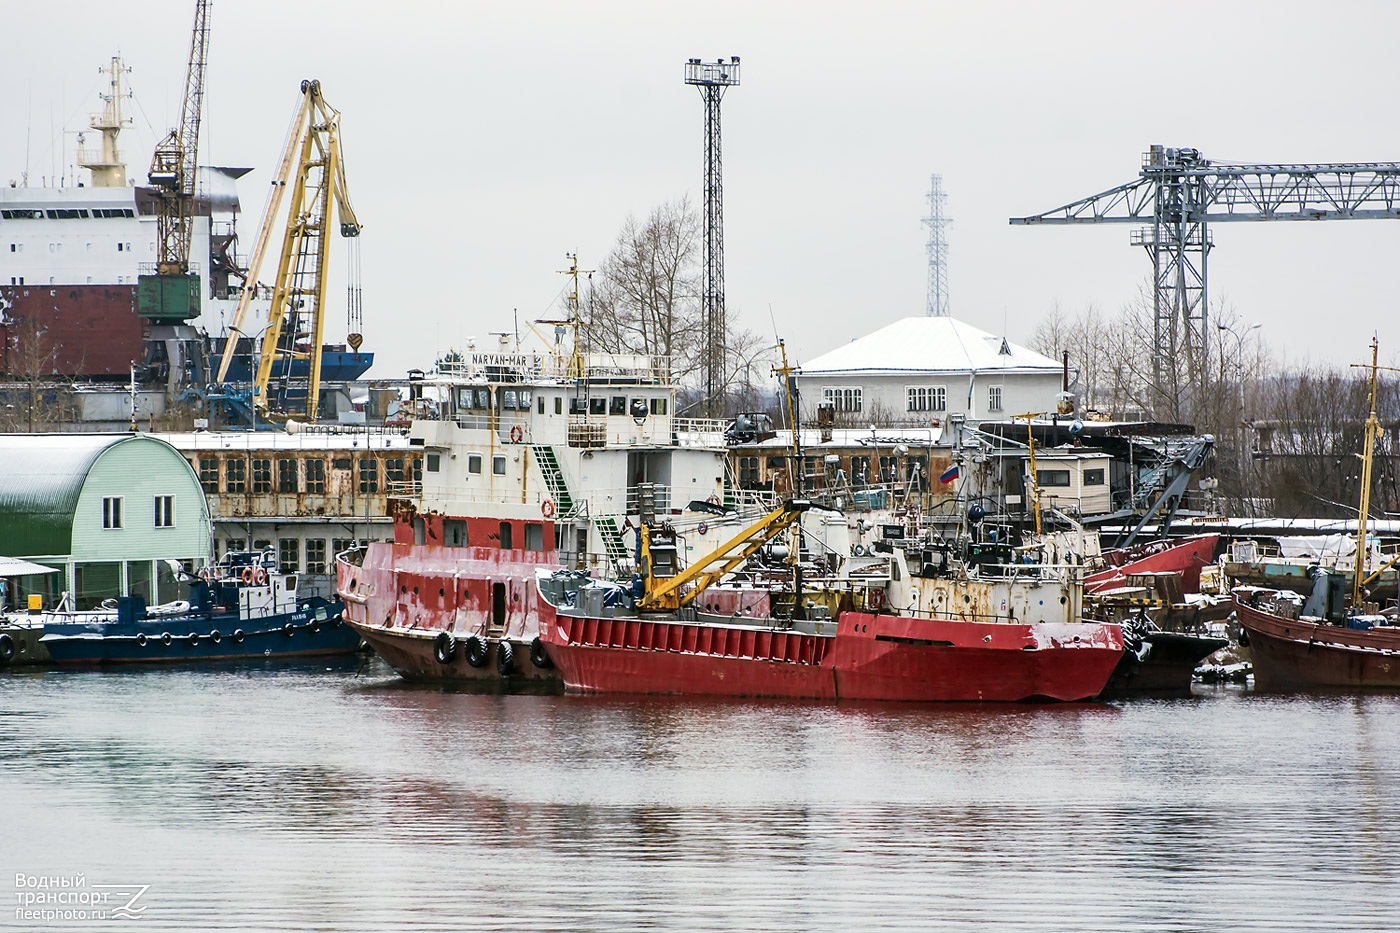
x=335 y=797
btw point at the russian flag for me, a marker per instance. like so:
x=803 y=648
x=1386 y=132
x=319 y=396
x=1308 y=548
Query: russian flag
x=949 y=474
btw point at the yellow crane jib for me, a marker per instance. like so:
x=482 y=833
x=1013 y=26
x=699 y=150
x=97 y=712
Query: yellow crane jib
x=313 y=170
x=668 y=588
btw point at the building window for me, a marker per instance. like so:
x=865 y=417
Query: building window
x=474 y=463
x=860 y=469
x=889 y=468
x=165 y=511
x=505 y=536
x=369 y=475
x=341 y=545
x=558 y=405
x=498 y=465
x=233 y=545
x=209 y=474
x=578 y=406
x=112 y=512
x=928 y=398
x=393 y=470
x=842 y=399
x=598 y=406
x=1093 y=477
x=658 y=406
x=289 y=555
x=1052 y=478
x=235 y=475
x=286 y=475
x=316 y=555
x=262 y=475
x=617 y=405
x=994 y=398
x=316 y=476
x=748 y=473
x=433 y=462
x=534 y=536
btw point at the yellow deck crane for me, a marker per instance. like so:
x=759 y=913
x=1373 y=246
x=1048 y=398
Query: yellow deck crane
x=312 y=166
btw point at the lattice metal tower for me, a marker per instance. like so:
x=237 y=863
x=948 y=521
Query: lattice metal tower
x=1177 y=195
x=713 y=78
x=937 y=250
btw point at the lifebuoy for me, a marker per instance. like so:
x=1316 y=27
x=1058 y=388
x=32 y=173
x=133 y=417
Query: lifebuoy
x=505 y=658
x=260 y=576
x=517 y=434
x=538 y=656
x=444 y=648
x=7 y=648
x=547 y=508
x=247 y=575
x=712 y=499
x=875 y=599
x=703 y=528
x=476 y=651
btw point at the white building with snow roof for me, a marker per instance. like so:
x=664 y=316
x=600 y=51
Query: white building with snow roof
x=924 y=370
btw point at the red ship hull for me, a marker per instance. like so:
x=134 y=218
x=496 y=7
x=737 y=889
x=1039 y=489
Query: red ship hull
x=869 y=657
x=1186 y=558
x=1298 y=654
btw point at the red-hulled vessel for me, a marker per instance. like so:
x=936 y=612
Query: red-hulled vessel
x=1302 y=652
x=844 y=644
x=1185 y=558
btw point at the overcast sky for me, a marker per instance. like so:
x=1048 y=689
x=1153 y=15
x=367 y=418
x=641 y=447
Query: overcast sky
x=485 y=141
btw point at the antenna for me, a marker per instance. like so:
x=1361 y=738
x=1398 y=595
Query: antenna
x=937 y=250
x=712 y=79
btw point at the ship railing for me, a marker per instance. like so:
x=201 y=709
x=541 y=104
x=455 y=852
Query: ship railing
x=403 y=489
x=753 y=500
x=620 y=368
x=700 y=426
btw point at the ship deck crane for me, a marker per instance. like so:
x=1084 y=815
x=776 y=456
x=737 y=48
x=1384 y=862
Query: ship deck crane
x=1177 y=195
x=171 y=295
x=312 y=165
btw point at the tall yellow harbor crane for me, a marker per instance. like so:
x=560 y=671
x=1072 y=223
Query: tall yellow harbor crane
x=288 y=377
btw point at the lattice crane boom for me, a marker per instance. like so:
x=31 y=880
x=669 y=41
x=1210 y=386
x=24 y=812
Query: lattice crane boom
x=1178 y=195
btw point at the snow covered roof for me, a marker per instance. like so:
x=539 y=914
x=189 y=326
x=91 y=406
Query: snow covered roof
x=929 y=344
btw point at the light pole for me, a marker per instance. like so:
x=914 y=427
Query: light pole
x=1240 y=458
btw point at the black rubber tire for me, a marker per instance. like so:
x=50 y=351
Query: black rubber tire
x=7 y=648
x=192 y=639
x=1244 y=638
x=477 y=651
x=538 y=655
x=215 y=637
x=141 y=640
x=289 y=630
x=505 y=658
x=445 y=648
x=166 y=638
x=238 y=636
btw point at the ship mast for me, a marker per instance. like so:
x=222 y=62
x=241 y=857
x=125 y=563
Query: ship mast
x=1373 y=425
x=800 y=483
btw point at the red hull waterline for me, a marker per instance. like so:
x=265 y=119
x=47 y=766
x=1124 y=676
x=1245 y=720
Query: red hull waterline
x=1299 y=654
x=870 y=657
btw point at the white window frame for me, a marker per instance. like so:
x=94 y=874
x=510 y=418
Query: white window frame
x=164 y=511
x=112 y=508
x=926 y=398
x=844 y=398
x=994 y=398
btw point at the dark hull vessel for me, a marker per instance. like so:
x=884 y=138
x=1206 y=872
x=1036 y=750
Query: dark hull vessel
x=1306 y=653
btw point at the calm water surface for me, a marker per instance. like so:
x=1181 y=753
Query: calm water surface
x=335 y=797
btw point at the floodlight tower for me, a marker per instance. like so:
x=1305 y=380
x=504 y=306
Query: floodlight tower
x=713 y=78
x=937 y=250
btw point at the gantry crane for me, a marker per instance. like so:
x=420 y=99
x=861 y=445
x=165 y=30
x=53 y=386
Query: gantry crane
x=1178 y=195
x=171 y=295
x=296 y=316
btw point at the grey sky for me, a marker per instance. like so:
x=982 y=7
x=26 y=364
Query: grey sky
x=484 y=141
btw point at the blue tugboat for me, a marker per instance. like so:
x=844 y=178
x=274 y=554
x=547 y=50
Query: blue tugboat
x=240 y=608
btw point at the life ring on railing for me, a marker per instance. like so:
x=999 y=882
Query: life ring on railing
x=247 y=575
x=517 y=434
x=703 y=527
x=260 y=576
x=547 y=508
x=875 y=600
x=712 y=499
